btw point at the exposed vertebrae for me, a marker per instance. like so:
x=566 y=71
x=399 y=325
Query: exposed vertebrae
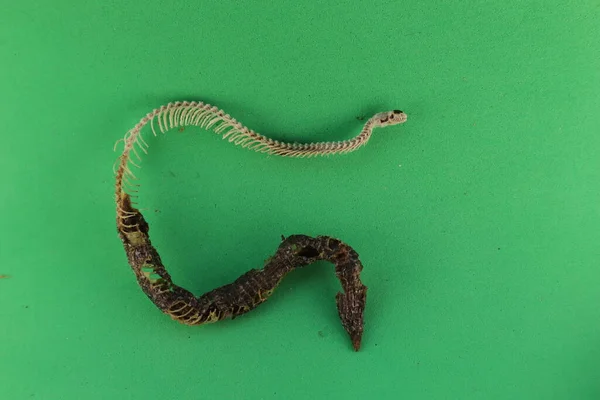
x=255 y=286
x=185 y=113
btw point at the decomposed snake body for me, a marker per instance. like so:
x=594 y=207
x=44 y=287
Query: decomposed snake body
x=255 y=286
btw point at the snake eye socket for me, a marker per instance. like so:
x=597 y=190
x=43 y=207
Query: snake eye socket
x=397 y=112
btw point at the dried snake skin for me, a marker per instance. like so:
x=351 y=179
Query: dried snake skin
x=257 y=285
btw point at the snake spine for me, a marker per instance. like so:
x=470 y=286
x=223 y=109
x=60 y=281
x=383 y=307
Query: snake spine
x=255 y=286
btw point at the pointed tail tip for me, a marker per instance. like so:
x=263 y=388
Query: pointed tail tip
x=356 y=343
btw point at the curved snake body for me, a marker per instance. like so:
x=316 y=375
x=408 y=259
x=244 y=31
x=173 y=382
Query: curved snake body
x=255 y=286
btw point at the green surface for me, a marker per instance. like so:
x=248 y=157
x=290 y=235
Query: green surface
x=477 y=221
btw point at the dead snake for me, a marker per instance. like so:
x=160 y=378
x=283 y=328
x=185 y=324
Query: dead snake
x=255 y=286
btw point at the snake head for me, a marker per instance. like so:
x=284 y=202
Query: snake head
x=389 y=118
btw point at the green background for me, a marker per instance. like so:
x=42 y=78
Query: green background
x=477 y=220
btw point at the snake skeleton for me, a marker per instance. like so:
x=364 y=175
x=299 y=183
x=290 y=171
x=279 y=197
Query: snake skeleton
x=255 y=286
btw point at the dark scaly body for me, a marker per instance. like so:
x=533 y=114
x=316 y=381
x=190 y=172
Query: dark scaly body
x=249 y=290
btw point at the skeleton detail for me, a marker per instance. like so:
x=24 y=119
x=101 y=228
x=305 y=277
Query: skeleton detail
x=255 y=286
